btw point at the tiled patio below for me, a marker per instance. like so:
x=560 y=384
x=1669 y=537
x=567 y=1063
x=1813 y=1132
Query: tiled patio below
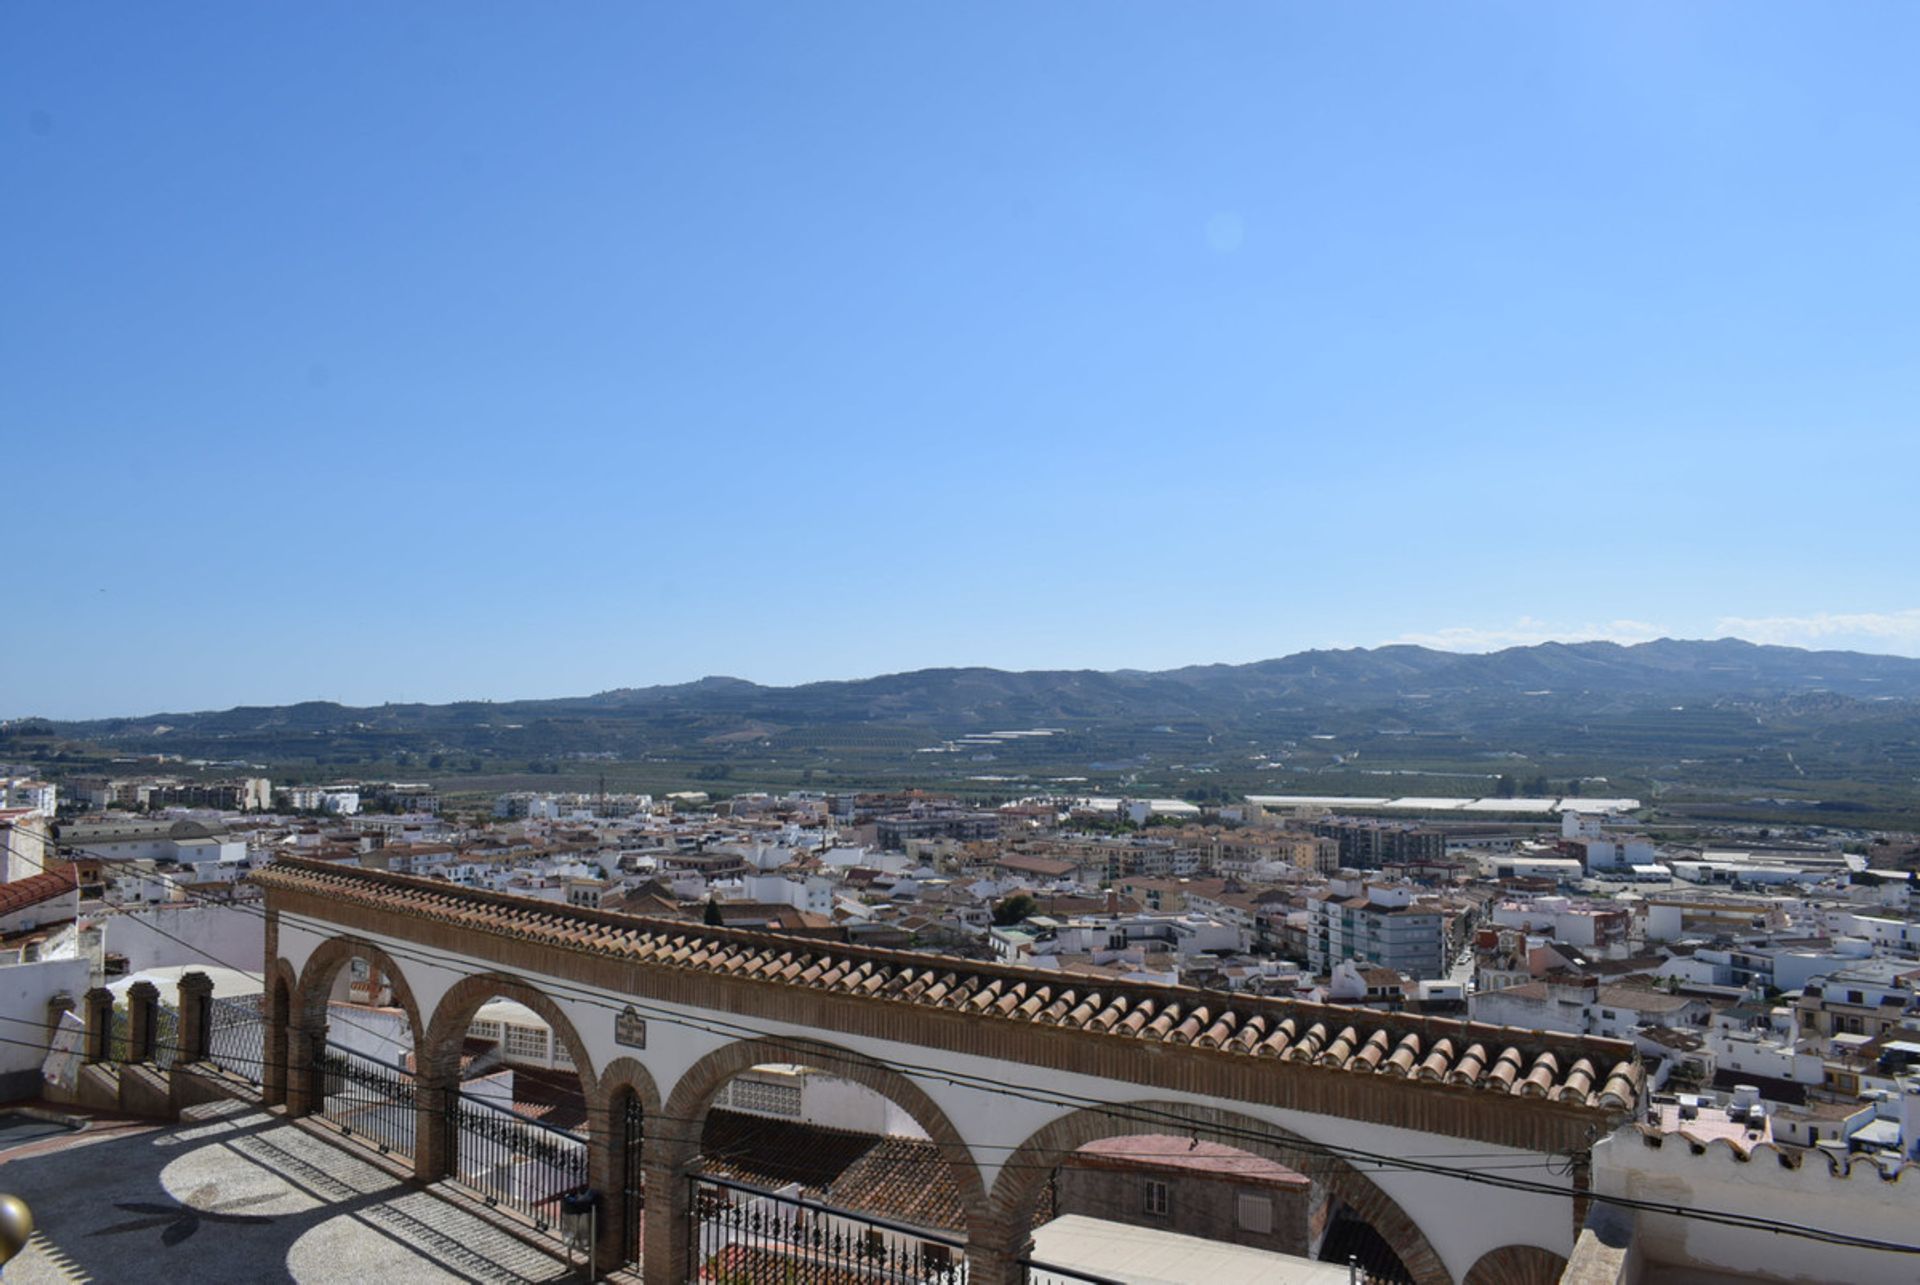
x=246 y=1197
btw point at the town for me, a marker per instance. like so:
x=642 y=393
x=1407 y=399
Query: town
x=860 y=643
x=1762 y=987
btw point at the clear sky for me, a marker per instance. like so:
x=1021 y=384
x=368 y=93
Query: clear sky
x=420 y=351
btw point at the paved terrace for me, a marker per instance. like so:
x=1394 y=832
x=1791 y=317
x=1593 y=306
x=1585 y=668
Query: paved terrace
x=244 y=1196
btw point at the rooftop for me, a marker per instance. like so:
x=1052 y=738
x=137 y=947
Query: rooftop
x=1577 y=1071
x=1212 y=1159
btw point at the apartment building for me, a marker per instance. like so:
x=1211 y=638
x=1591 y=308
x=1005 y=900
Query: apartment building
x=1369 y=844
x=1384 y=924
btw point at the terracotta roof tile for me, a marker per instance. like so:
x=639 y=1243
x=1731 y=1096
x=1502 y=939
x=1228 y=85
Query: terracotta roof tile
x=34 y=889
x=1348 y=1040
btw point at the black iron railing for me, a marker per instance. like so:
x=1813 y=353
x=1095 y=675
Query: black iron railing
x=633 y=1178
x=368 y=1099
x=745 y=1235
x=236 y=1036
x=511 y=1161
x=166 y=1036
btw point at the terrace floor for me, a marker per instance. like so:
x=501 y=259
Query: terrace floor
x=244 y=1196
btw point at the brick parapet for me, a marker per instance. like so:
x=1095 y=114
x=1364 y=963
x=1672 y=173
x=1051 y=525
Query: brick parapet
x=1495 y=1116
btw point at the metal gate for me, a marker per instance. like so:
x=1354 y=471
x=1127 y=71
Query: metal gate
x=633 y=1178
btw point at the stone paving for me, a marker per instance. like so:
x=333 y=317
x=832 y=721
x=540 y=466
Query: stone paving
x=245 y=1197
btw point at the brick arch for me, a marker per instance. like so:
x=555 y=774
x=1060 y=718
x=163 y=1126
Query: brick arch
x=1516 y=1265
x=440 y=1053
x=693 y=1095
x=1025 y=1172
x=275 y=1049
x=629 y=1074
x=316 y=983
x=620 y=1228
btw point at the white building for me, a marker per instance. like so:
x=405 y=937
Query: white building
x=25 y=792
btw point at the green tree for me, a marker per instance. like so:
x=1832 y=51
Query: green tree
x=1013 y=909
x=712 y=916
x=1504 y=787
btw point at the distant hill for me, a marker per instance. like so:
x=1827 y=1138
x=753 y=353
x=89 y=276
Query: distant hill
x=1710 y=729
x=1592 y=675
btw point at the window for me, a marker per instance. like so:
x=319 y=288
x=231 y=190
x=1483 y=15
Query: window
x=769 y=1099
x=1156 y=1194
x=1254 y=1213
x=527 y=1042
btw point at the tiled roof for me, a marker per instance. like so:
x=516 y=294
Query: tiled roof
x=892 y=1177
x=1210 y=1159
x=1575 y=1070
x=34 y=889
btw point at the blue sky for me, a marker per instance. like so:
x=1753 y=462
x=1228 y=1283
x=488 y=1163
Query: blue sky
x=432 y=351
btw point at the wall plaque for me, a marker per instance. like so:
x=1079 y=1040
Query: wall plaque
x=630 y=1029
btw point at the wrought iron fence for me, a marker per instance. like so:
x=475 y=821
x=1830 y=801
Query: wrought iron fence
x=166 y=1035
x=236 y=1036
x=739 y=1234
x=633 y=1178
x=512 y=1161
x=368 y=1099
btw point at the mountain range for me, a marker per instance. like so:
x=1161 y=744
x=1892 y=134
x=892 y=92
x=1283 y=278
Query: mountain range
x=964 y=699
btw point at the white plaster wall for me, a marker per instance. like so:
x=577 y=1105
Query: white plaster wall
x=834 y=1103
x=377 y=1033
x=1860 y=1203
x=24 y=992
x=230 y=936
x=1461 y=1219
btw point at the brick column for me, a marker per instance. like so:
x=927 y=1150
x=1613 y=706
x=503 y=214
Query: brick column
x=143 y=1021
x=196 y=1018
x=1582 y=1185
x=274 y=1032
x=434 y=1092
x=606 y=1140
x=306 y=1084
x=57 y=1005
x=98 y=1014
x=995 y=1247
x=668 y=1154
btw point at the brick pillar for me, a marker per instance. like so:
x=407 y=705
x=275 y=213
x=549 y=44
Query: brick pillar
x=196 y=1018
x=434 y=1092
x=143 y=1021
x=57 y=1005
x=606 y=1139
x=98 y=1014
x=1582 y=1184
x=306 y=1083
x=995 y=1246
x=668 y=1155
x=274 y=1032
